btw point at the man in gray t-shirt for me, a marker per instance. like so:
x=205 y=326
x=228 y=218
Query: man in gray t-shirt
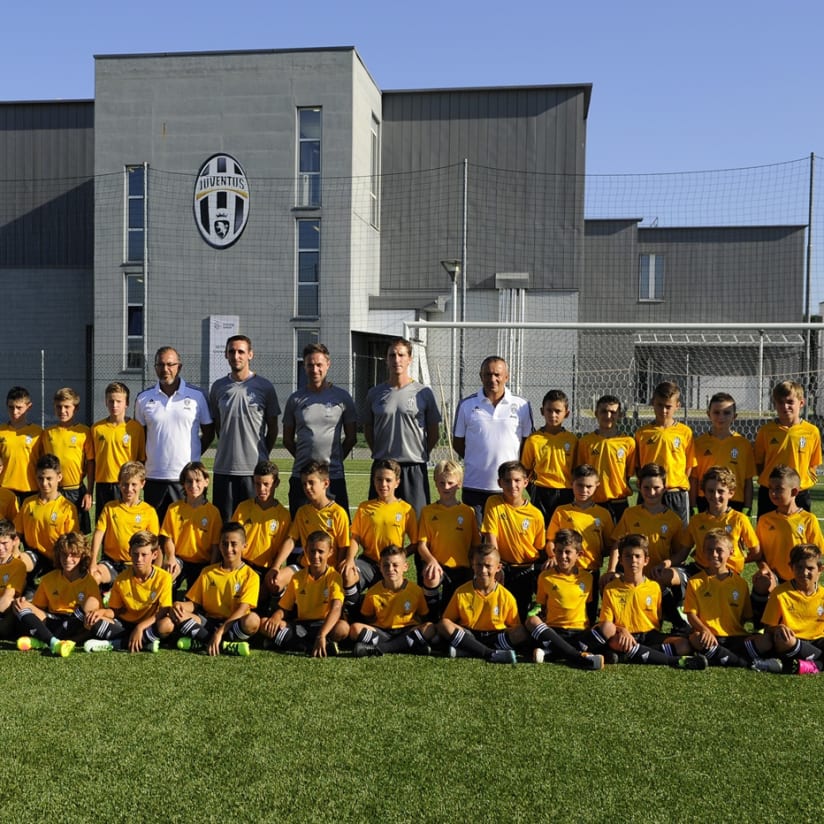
x=245 y=410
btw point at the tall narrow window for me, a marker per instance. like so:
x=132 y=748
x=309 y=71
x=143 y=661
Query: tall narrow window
x=135 y=196
x=308 y=268
x=135 y=302
x=309 y=136
x=375 y=172
x=651 y=278
x=303 y=337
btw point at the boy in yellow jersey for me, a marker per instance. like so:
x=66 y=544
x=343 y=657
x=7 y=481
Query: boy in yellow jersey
x=560 y=617
x=191 y=527
x=592 y=521
x=516 y=529
x=267 y=523
x=20 y=445
x=319 y=512
x=630 y=621
x=718 y=488
x=72 y=443
x=140 y=595
x=549 y=454
x=613 y=456
x=668 y=443
x=778 y=531
x=790 y=441
x=378 y=522
x=12 y=577
x=309 y=616
x=481 y=619
x=447 y=532
x=395 y=609
x=118 y=521
x=116 y=439
x=44 y=517
x=54 y=617
x=218 y=611
x=794 y=617
x=721 y=446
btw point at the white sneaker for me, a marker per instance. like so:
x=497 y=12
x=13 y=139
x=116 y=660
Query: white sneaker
x=96 y=645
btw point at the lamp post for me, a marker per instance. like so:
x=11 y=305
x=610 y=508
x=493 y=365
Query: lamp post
x=453 y=269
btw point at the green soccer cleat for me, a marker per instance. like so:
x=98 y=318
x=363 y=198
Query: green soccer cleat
x=240 y=648
x=96 y=645
x=188 y=643
x=25 y=643
x=62 y=649
x=152 y=646
x=692 y=662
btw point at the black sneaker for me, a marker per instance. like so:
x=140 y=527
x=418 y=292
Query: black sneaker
x=767 y=665
x=692 y=662
x=364 y=650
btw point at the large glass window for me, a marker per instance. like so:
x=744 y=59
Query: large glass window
x=651 y=278
x=135 y=199
x=309 y=137
x=308 y=268
x=135 y=320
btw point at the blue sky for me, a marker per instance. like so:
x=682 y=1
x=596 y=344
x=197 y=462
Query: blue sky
x=704 y=85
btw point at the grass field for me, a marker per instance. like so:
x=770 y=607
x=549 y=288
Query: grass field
x=182 y=737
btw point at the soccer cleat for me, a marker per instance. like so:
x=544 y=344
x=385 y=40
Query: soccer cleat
x=152 y=646
x=27 y=642
x=62 y=649
x=421 y=649
x=767 y=665
x=589 y=661
x=96 y=645
x=455 y=652
x=805 y=668
x=365 y=650
x=502 y=656
x=539 y=655
x=240 y=648
x=692 y=662
x=188 y=643
x=611 y=657
x=332 y=649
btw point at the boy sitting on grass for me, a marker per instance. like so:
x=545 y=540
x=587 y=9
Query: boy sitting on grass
x=481 y=620
x=12 y=577
x=396 y=607
x=54 y=617
x=139 y=595
x=217 y=613
x=308 y=618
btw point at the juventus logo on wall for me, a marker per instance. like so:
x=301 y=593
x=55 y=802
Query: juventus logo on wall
x=221 y=201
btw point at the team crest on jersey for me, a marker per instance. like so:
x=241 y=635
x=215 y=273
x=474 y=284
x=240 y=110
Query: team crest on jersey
x=236 y=587
x=649 y=600
x=187 y=403
x=582 y=586
x=735 y=595
x=802 y=442
x=73 y=440
x=152 y=595
x=325 y=593
x=221 y=201
x=598 y=523
x=407 y=606
x=567 y=447
x=676 y=442
x=496 y=610
x=734 y=453
x=81 y=596
x=728 y=528
x=664 y=529
x=329 y=523
x=800 y=529
x=138 y=518
x=820 y=610
x=620 y=453
x=29 y=440
x=460 y=520
x=204 y=522
x=525 y=524
x=6 y=578
x=398 y=518
x=412 y=406
x=126 y=440
x=53 y=517
x=273 y=525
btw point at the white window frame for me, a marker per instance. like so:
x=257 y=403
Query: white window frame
x=651 y=281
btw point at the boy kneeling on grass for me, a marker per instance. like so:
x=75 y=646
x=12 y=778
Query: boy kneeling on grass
x=308 y=618
x=217 y=614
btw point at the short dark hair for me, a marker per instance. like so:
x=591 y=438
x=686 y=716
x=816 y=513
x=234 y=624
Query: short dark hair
x=48 y=461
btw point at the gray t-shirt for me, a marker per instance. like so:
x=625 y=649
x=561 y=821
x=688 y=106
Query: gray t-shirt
x=400 y=419
x=240 y=410
x=318 y=419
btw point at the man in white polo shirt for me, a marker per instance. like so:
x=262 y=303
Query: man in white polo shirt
x=490 y=428
x=178 y=428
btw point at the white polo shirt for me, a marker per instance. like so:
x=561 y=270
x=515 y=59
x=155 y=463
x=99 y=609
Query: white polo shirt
x=492 y=434
x=172 y=428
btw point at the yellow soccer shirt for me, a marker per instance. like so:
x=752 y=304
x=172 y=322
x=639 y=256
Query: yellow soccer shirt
x=449 y=533
x=13 y=575
x=219 y=591
x=194 y=530
x=119 y=522
x=19 y=450
x=133 y=600
x=73 y=446
x=734 y=452
x=394 y=609
x=9 y=507
x=519 y=530
x=614 y=460
x=670 y=447
x=660 y=529
x=595 y=525
x=737 y=525
x=471 y=609
x=312 y=597
x=802 y=614
x=331 y=519
x=798 y=446
x=266 y=530
x=378 y=524
x=563 y=598
x=635 y=607
x=114 y=444
x=723 y=604
x=57 y=595
x=778 y=534
x=551 y=458
x=41 y=523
